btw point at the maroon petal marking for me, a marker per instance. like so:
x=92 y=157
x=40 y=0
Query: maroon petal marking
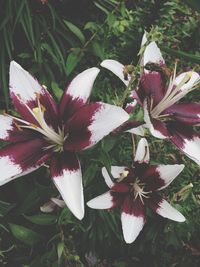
x=11 y=132
x=25 y=91
x=77 y=93
x=62 y=161
x=133 y=206
x=151 y=178
x=120 y=187
x=28 y=153
x=152 y=86
x=91 y=123
x=46 y=100
x=21 y=158
x=77 y=127
x=188 y=113
x=69 y=106
x=185 y=139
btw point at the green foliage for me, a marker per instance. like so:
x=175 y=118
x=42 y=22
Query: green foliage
x=54 y=41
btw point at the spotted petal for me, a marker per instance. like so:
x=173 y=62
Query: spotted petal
x=91 y=123
x=22 y=158
x=78 y=92
x=66 y=174
x=117 y=68
x=132 y=218
x=163 y=208
x=25 y=92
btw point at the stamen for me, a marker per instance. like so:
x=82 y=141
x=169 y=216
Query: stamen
x=138 y=190
x=173 y=94
x=123 y=175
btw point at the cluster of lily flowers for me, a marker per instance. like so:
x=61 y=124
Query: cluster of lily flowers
x=47 y=132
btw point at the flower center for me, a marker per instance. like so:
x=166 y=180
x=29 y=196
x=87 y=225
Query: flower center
x=56 y=139
x=137 y=188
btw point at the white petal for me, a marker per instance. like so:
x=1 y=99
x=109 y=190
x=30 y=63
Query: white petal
x=142 y=152
x=103 y=201
x=11 y=170
x=169 y=172
x=6 y=126
x=167 y=211
x=22 y=83
x=137 y=131
x=152 y=54
x=70 y=187
x=81 y=85
x=192 y=149
x=105 y=120
x=131 y=226
x=115 y=171
x=117 y=68
x=194 y=78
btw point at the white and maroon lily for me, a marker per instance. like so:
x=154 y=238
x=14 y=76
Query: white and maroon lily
x=46 y=132
x=164 y=116
x=135 y=188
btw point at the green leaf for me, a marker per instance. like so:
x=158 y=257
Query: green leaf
x=195 y=4
x=98 y=50
x=65 y=217
x=76 y=31
x=191 y=57
x=90 y=173
x=58 y=92
x=42 y=219
x=5 y=207
x=72 y=60
x=60 y=249
x=27 y=236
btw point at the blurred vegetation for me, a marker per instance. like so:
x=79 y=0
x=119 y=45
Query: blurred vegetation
x=54 y=40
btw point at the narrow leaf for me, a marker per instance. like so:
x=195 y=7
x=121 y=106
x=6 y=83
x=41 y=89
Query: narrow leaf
x=27 y=236
x=76 y=31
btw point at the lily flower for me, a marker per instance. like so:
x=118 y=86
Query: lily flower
x=132 y=189
x=163 y=116
x=47 y=132
x=159 y=92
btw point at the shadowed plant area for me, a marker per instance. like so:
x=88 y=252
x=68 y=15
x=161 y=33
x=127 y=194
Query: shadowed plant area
x=89 y=151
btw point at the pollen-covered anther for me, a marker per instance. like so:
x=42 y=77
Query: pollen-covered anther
x=18 y=126
x=123 y=175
